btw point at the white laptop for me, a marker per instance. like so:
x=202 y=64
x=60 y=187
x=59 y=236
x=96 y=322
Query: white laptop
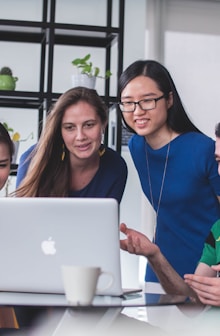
x=38 y=235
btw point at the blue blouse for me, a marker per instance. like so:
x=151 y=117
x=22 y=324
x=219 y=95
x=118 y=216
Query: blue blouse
x=189 y=205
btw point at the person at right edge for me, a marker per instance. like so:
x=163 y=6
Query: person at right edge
x=175 y=163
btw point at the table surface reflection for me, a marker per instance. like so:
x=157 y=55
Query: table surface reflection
x=165 y=313
x=58 y=300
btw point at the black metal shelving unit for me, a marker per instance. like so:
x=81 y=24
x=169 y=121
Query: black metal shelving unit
x=48 y=33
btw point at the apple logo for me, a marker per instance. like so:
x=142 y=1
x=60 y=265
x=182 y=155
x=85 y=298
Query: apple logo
x=48 y=246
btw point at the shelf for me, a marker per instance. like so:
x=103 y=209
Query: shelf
x=20 y=99
x=65 y=34
x=35 y=100
x=48 y=33
x=22 y=31
x=13 y=170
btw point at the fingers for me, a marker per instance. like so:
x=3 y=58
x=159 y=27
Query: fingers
x=217 y=269
x=123 y=245
x=123 y=228
x=126 y=244
x=207 y=288
x=201 y=280
x=123 y=242
x=130 y=245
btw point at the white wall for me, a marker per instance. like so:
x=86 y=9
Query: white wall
x=192 y=53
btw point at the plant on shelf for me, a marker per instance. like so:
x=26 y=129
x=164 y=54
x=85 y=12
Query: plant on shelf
x=16 y=138
x=6 y=71
x=7 y=81
x=86 y=67
x=87 y=73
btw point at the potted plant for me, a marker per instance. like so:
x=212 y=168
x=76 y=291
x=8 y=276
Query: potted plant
x=86 y=73
x=7 y=81
x=16 y=138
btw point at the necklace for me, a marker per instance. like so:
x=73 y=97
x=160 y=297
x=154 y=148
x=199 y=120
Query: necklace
x=162 y=183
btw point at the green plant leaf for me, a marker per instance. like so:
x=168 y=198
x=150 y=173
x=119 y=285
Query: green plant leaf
x=108 y=74
x=86 y=58
x=76 y=61
x=9 y=129
x=87 y=67
x=96 y=71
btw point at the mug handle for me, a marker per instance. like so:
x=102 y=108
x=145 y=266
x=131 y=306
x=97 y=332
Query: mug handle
x=108 y=285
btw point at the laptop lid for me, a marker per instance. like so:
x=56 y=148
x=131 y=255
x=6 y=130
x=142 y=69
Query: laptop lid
x=38 y=235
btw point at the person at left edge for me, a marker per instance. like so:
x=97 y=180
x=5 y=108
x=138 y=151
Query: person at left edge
x=69 y=159
x=8 y=319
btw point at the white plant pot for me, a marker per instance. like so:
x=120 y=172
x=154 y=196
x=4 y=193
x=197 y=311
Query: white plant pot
x=16 y=148
x=83 y=80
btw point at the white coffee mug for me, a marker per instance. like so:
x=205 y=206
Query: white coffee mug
x=80 y=283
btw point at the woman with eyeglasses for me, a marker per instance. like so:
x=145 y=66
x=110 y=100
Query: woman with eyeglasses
x=175 y=163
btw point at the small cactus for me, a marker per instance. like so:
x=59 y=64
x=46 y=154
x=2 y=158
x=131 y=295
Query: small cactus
x=6 y=71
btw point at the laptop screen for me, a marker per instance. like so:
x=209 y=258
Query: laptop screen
x=38 y=235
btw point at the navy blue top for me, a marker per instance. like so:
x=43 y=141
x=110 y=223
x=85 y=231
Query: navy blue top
x=189 y=205
x=108 y=182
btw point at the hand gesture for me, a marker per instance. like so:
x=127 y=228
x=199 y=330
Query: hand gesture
x=207 y=288
x=136 y=242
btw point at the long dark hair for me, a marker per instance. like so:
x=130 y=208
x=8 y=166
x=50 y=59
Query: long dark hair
x=217 y=130
x=5 y=138
x=177 y=118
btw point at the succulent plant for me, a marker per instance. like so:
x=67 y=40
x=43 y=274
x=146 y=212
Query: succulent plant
x=6 y=71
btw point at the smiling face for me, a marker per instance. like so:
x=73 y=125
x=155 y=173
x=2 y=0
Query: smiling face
x=151 y=122
x=5 y=163
x=82 y=131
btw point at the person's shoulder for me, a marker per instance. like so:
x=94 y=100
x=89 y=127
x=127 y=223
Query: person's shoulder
x=198 y=141
x=136 y=141
x=27 y=152
x=113 y=154
x=216 y=225
x=197 y=136
x=114 y=158
x=215 y=230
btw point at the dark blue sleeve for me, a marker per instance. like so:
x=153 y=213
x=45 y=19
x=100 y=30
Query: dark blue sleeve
x=23 y=165
x=113 y=175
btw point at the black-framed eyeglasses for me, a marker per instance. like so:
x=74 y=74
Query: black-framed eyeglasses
x=144 y=104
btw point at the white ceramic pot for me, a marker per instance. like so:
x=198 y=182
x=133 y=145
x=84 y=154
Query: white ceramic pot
x=83 y=80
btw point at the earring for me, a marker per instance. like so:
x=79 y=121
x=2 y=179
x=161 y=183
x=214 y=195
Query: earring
x=101 y=150
x=63 y=153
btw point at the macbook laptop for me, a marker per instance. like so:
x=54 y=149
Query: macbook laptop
x=38 y=235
